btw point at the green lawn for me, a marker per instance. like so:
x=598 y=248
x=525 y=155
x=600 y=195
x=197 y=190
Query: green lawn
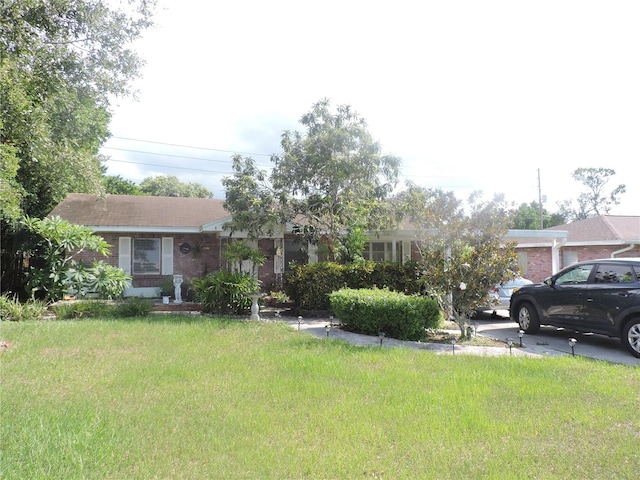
x=173 y=397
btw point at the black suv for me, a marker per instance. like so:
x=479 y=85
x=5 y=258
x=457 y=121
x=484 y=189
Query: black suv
x=597 y=296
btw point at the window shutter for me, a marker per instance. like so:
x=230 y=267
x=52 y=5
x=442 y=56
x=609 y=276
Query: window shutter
x=167 y=255
x=124 y=254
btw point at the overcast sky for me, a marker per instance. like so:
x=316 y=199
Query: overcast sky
x=472 y=95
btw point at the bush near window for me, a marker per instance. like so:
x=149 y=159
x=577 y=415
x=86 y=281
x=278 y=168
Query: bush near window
x=371 y=311
x=225 y=292
x=309 y=286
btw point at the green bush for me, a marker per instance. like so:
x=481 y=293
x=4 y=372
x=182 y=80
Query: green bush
x=371 y=311
x=309 y=285
x=84 y=309
x=134 y=307
x=225 y=292
x=12 y=309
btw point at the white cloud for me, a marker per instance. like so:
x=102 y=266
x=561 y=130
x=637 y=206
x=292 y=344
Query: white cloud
x=472 y=95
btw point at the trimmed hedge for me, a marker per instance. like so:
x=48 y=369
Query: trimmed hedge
x=309 y=286
x=371 y=311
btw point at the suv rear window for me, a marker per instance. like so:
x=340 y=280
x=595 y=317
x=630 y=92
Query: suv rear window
x=608 y=273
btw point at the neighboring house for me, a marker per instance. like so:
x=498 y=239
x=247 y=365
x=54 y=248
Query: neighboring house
x=606 y=236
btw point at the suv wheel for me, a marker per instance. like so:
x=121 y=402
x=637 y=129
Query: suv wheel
x=528 y=318
x=631 y=336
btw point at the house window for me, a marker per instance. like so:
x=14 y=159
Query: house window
x=146 y=256
x=382 y=251
x=294 y=252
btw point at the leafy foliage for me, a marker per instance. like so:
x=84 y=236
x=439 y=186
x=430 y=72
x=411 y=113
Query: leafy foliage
x=61 y=61
x=60 y=243
x=170 y=185
x=309 y=286
x=236 y=252
x=225 y=292
x=527 y=217
x=329 y=180
x=116 y=185
x=370 y=311
x=595 y=201
x=12 y=309
x=462 y=254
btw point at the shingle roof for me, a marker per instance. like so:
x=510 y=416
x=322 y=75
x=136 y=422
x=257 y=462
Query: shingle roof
x=137 y=211
x=616 y=228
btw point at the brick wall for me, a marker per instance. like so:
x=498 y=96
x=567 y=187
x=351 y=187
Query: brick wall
x=539 y=258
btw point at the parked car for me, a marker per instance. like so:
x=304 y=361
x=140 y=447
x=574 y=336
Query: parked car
x=501 y=294
x=597 y=296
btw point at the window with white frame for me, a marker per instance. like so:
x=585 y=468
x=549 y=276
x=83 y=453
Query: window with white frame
x=146 y=256
x=383 y=251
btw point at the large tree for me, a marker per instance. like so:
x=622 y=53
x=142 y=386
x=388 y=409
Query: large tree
x=60 y=63
x=170 y=185
x=596 y=200
x=327 y=180
x=527 y=217
x=463 y=252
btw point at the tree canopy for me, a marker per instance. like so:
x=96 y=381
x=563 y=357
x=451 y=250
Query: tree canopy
x=463 y=253
x=329 y=179
x=60 y=63
x=170 y=185
x=596 y=200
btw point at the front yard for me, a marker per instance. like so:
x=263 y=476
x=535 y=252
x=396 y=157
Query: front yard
x=193 y=397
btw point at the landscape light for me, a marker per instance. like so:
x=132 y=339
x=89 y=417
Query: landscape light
x=572 y=343
x=521 y=334
x=299 y=322
x=327 y=329
x=510 y=343
x=453 y=345
x=381 y=337
x=330 y=319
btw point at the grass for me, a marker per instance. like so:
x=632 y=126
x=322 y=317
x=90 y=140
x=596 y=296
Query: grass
x=179 y=397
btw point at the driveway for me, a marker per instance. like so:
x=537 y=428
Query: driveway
x=555 y=341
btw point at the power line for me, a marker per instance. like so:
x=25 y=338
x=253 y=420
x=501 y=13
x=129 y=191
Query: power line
x=192 y=146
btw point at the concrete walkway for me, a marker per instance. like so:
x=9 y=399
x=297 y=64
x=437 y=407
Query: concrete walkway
x=318 y=328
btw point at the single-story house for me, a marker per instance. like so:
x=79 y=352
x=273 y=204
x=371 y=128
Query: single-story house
x=155 y=237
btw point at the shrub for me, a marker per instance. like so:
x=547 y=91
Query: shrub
x=134 y=307
x=370 y=311
x=12 y=309
x=225 y=292
x=84 y=309
x=309 y=285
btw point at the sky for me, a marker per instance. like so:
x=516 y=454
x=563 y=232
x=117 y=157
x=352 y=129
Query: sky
x=500 y=96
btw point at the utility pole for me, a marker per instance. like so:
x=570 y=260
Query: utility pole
x=540 y=200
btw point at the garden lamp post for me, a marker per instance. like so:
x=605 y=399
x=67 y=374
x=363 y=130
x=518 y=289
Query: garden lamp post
x=510 y=344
